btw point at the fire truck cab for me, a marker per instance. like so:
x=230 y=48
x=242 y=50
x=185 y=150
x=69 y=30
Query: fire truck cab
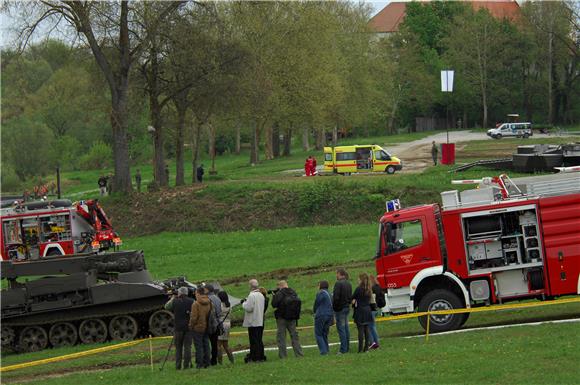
x=34 y=230
x=504 y=241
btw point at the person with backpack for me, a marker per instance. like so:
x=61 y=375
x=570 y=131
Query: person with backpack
x=361 y=302
x=341 y=299
x=180 y=305
x=225 y=321
x=379 y=304
x=323 y=317
x=287 y=313
x=254 y=306
x=214 y=334
x=198 y=322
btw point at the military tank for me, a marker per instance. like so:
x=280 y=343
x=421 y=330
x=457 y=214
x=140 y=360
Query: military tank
x=86 y=298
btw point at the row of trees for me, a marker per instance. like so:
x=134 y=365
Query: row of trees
x=141 y=80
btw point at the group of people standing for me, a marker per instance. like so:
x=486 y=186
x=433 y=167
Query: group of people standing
x=206 y=320
x=310 y=166
x=367 y=300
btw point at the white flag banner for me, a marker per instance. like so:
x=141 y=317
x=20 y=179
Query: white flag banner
x=447 y=80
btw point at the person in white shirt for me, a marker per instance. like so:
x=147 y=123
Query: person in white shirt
x=254 y=307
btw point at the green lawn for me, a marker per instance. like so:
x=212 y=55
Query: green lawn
x=546 y=354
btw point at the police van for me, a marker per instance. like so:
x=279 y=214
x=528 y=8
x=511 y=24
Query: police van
x=346 y=160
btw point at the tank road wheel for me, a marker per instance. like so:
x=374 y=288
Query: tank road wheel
x=92 y=330
x=123 y=327
x=8 y=337
x=161 y=323
x=63 y=334
x=441 y=299
x=33 y=339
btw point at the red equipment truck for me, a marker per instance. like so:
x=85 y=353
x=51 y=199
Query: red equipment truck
x=33 y=230
x=506 y=240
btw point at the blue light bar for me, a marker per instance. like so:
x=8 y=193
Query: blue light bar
x=393 y=205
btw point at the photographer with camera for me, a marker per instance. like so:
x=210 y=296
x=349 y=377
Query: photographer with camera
x=287 y=305
x=254 y=307
x=180 y=304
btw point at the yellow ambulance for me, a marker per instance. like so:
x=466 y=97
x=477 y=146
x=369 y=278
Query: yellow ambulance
x=366 y=158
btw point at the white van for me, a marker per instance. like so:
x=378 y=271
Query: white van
x=520 y=130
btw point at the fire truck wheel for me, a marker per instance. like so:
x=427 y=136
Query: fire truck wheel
x=54 y=252
x=390 y=170
x=441 y=299
x=464 y=319
x=33 y=339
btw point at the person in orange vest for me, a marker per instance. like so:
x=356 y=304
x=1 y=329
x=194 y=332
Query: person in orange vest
x=313 y=169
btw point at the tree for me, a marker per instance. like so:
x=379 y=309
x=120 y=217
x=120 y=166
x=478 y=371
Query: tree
x=105 y=26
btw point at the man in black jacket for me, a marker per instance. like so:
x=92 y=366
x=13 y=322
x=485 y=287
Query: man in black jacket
x=341 y=298
x=287 y=313
x=180 y=305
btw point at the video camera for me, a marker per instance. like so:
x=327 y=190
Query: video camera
x=273 y=291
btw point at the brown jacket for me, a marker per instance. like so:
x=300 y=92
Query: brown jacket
x=199 y=314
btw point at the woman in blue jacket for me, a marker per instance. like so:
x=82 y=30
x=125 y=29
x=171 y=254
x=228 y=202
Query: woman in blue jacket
x=323 y=316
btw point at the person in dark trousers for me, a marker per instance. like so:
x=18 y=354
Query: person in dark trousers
x=434 y=153
x=198 y=324
x=254 y=308
x=287 y=313
x=102 y=182
x=180 y=304
x=138 y=180
x=199 y=173
x=341 y=299
x=361 y=302
x=323 y=316
x=380 y=303
x=225 y=320
x=217 y=308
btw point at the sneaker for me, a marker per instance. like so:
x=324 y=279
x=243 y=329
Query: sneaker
x=374 y=346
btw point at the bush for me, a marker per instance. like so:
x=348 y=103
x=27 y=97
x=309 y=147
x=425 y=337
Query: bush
x=9 y=179
x=100 y=156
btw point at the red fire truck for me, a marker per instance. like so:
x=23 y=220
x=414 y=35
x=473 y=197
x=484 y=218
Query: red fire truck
x=506 y=240
x=33 y=230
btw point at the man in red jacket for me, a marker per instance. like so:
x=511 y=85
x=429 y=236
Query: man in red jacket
x=308 y=166
x=313 y=169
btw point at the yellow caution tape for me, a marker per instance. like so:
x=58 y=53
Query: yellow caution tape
x=380 y=319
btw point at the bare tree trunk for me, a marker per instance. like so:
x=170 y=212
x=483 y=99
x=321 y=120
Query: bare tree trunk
x=255 y=145
x=122 y=177
x=320 y=139
x=268 y=144
x=335 y=134
x=276 y=140
x=212 y=149
x=195 y=139
x=288 y=140
x=238 y=138
x=551 y=74
x=305 y=135
x=179 y=139
x=152 y=77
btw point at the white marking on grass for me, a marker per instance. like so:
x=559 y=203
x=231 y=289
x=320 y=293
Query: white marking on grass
x=498 y=327
x=273 y=348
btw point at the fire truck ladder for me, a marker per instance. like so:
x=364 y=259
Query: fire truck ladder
x=549 y=185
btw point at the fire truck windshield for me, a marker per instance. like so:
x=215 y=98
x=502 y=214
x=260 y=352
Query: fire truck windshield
x=402 y=235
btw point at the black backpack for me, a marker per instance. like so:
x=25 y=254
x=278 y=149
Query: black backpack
x=292 y=307
x=380 y=297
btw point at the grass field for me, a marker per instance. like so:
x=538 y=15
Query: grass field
x=527 y=354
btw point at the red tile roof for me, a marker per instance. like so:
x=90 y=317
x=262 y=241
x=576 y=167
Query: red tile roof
x=389 y=18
